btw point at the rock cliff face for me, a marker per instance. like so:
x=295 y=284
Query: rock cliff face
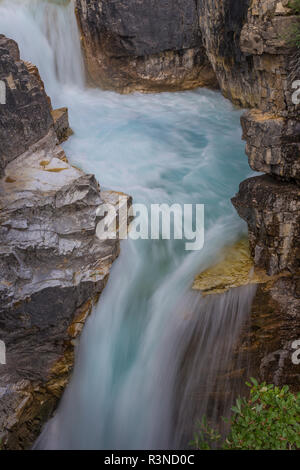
x=26 y=116
x=246 y=44
x=144 y=45
x=272 y=144
x=272 y=212
x=266 y=345
x=271 y=208
x=52 y=265
x=270 y=205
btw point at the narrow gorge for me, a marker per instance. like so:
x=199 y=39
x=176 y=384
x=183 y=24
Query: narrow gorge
x=152 y=100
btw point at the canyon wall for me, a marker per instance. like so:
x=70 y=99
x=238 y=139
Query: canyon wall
x=144 y=45
x=52 y=265
x=248 y=45
x=270 y=205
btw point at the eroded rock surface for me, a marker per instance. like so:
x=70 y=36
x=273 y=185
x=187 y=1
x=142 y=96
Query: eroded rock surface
x=144 y=45
x=235 y=268
x=26 y=117
x=246 y=44
x=271 y=208
x=61 y=124
x=266 y=347
x=53 y=267
x=272 y=144
x=272 y=212
x=270 y=205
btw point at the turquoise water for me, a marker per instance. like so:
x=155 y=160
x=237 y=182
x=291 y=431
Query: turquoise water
x=173 y=148
x=160 y=148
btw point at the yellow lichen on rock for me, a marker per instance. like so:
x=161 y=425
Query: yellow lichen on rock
x=235 y=269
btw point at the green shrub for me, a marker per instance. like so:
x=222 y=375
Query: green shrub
x=268 y=419
x=294 y=37
x=295 y=32
x=295 y=6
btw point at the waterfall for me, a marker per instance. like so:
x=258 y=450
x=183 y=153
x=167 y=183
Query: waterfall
x=48 y=36
x=154 y=356
x=179 y=372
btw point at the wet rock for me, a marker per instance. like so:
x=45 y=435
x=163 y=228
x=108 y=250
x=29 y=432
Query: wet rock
x=273 y=144
x=271 y=209
x=234 y=269
x=52 y=266
x=266 y=345
x=246 y=42
x=26 y=117
x=143 y=45
x=33 y=70
x=61 y=124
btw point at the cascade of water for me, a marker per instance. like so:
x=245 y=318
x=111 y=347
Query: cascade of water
x=152 y=354
x=142 y=382
x=47 y=34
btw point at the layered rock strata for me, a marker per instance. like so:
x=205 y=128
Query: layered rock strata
x=272 y=144
x=272 y=211
x=247 y=44
x=268 y=345
x=270 y=204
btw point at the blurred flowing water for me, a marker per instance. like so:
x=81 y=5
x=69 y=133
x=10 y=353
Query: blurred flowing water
x=154 y=355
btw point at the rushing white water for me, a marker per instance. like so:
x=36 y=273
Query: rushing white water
x=151 y=354
x=47 y=34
